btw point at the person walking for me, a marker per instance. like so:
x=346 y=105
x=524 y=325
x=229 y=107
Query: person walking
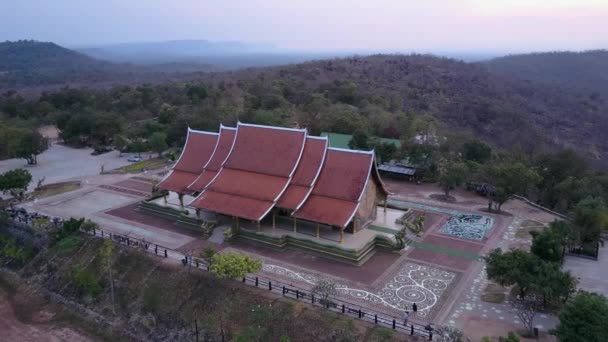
x=406 y=315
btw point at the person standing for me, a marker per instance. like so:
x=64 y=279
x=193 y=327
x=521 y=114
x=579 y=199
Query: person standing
x=415 y=307
x=406 y=315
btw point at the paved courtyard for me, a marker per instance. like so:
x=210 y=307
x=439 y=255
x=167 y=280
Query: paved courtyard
x=396 y=292
x=59 y=163
x=441 y=271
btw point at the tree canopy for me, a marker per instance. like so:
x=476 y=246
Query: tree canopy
x=476 y=151
x=233 y=265
x=510 y=178
x=452 y=175
x=158 y=142
x=584 y=319
x=15 y=181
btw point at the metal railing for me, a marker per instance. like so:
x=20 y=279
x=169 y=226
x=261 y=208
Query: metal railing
x=332 y=304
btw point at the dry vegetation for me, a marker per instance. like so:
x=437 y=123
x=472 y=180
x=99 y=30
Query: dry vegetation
x=156 y=301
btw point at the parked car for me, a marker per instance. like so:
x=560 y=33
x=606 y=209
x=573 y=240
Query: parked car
x=134 y=159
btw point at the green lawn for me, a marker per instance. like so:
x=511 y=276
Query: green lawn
x=448 y=251
x=341 y=140
x=434 y=248
x=52 y=190
x=144 y=164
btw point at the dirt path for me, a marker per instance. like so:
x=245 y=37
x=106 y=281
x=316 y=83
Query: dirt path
x=12 y=329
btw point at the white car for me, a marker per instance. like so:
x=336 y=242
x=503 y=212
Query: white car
x=134 y=159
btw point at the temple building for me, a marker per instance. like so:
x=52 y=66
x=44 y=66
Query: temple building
x=253 y=173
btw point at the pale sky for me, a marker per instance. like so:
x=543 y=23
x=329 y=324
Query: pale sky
x=399 y=25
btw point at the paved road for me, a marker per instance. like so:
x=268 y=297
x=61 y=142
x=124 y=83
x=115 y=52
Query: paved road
x=60 y=163
x=592 y=275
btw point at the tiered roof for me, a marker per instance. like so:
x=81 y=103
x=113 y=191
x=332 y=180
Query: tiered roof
x=197 y=150
x=256 y=172
x=339 y=189
x=306 y=174
x=214 y=164
x=248 y=170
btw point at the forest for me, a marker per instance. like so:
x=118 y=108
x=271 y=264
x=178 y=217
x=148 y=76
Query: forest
x=478 y=124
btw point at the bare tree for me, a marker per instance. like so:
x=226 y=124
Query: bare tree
x=324 y=288
x=526 y=309
x=450 y=334
x=107 y=256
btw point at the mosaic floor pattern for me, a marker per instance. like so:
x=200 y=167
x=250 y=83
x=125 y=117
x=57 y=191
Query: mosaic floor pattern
x=468 y=226
x=462 y=225
x=413 y=283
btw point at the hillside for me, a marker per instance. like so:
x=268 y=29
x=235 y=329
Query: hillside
x=28 y=55
x=387 y=95
x=222 y=54
x=462 y=97
x=26 y=64
x=583 y=72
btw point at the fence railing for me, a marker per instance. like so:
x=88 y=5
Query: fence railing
x=581 y=252
x=540 y=207
x=332 y=304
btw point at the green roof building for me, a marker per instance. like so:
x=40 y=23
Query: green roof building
x=341 y=140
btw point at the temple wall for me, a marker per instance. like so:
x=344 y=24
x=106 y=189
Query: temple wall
x=367 y=208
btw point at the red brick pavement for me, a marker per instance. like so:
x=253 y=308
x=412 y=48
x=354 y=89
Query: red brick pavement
x=453 y=243
x=130 y=213
x=135 y=185
x=366 y=274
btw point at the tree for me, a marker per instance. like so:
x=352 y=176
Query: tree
x=451 y=176
x=31 y=144
x=324 y=288
x=120 y=143
x=385 y=151
x=551 y=285
x=476 y=151
x=233 y=265
x=15 y=182
x=584 y=319
x=526 y=309
x=158 y=142
x=510 y=179
x=359 y=141
x=550 y=243
x=556 y=168
x=106 y=253
x=531 y=274
x=515 y=267
x=589 y=217
x=450 y=334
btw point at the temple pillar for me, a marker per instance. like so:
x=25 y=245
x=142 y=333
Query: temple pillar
x=259 y=227
x=341 y=234
x=385 y=201
x=318 y=235
x=274 y=220
x=295 y=225
x=198 y=213
x=237 y=223
x=181 y=199
x=165 y=198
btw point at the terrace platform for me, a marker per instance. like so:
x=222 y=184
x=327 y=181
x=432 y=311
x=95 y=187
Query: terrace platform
x=352 y=248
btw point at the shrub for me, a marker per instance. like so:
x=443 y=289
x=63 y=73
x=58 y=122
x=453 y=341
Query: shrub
x=152 y=297
x=233 y=265
x=85 y=281
x=68 y=244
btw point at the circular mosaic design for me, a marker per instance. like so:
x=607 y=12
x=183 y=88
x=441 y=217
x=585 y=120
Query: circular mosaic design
x=413 y=283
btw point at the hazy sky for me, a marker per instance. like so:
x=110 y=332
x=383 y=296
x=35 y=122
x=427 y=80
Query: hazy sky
x=399 y=25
